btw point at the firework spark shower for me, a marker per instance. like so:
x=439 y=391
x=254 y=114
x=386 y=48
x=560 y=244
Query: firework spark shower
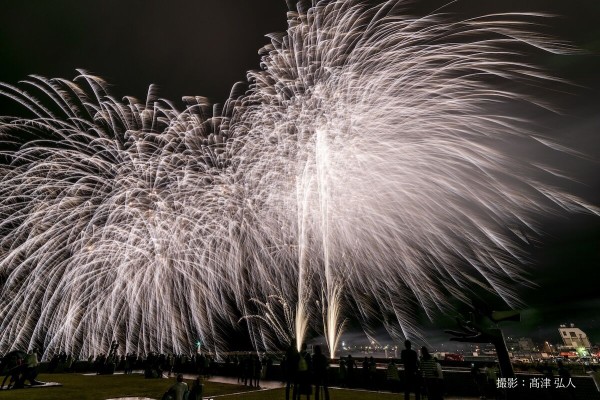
x=364 y=170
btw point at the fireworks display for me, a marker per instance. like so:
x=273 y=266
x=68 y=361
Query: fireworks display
x=364 y=171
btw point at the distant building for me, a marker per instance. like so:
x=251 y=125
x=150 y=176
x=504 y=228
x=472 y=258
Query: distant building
x=526 y=344
x=574 y=337
x=512 y=344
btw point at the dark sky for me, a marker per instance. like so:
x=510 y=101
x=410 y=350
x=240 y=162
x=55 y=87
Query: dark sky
x=202 y=47
x=185 y=47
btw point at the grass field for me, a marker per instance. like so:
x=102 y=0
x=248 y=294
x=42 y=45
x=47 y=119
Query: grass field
x=102 y=387
x=334 y=394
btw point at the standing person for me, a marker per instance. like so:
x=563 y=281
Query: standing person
x=372 y=372
x=126 y=364
x=321 y=368
x=239 y=368
x=197 y=390
x=304 y=374
x=257 y=370
x=170 y=364
x=408 y=357
x=350 y=368
x=491 y=376
x=430 y=372
x=178 y=390
x=247 y=370
x=440 y=375
x=31 y=370
x=393 y=377
x=365 y=372
x=206 y=366
x=291 y=369
x=548 y=374
x=342 y=372
x=479 y=378
x=268 y=366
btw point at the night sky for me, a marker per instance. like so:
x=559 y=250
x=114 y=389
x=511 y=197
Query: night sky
x=203 y=47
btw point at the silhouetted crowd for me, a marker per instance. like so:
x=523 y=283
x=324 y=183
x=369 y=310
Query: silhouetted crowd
x=154 y=365
x=249 y=368
x=305 y=374
x=301 y=371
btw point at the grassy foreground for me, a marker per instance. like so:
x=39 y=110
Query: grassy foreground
x=334 y=394
x=102 y=387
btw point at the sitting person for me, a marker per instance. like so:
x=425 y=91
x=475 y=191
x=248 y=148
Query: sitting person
x=178 y=391
x=14 y=367
x=29 y=371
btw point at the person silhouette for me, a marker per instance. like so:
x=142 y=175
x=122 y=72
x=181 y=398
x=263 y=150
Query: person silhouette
x=410 y=360
x=431 y=375
x=304 y=374
x=197 y=390
x=350 y=368
x=393 y=377
x=320 y=367
x=291 y=370
x=178 y=391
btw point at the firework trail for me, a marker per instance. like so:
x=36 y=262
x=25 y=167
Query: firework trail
x=363 y=169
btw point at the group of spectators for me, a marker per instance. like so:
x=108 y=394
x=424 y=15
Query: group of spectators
x=422 y=375
x=157 y=365
x=19 y=368
x=250 y=368
x=154 y=365
x=304 y=372
x=348 y=372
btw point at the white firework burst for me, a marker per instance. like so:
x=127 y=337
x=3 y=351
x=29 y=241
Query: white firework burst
x=364 y=168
